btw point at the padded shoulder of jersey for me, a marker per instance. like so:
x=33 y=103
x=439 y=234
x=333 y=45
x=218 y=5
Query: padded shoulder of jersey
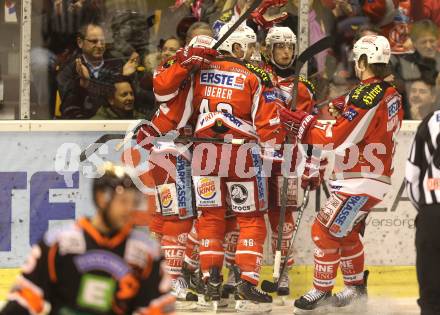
x=145 y=242
x=369 y=95
x=259 y=72
x=70 y=239
x=310 y=86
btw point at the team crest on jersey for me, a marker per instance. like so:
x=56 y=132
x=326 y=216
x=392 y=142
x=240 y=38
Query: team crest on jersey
x=224 y=79
x=206 y=189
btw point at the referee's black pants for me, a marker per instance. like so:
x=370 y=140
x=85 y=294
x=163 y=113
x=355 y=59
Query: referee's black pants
x=428 y=259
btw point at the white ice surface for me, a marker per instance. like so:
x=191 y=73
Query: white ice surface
x=375 y=306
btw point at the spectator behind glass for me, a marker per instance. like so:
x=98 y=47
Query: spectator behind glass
x=55 y=25
x=421 y=98
x=169 y=48
x=120 y=102
x=198 y=28
x=83 y=82
x=423 y=64
x=424 y=35
x=426 y=9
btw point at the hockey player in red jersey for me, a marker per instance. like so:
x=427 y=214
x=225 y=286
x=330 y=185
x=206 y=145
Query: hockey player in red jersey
x=241 y=45
x=227 y=99
x=280 y=48
x=99 y=265
x=179 y=237
x=175 y=212
x=364 y=139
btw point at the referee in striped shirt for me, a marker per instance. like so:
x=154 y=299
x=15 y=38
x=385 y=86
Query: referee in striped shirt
x=423 y=187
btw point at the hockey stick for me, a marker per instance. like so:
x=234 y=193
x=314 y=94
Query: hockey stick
x=237 y=23
x=267 y=285
x=93 y=147
x=306 y=55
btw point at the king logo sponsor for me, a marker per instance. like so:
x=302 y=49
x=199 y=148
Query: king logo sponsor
x=206 y=189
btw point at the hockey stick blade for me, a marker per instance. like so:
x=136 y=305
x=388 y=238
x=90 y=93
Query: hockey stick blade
x=93 y=147
x=240 y=20
x=314 y=49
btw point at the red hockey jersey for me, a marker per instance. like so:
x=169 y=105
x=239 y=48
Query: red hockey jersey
x=283 y=86
x=225 y=97
x=364 y=138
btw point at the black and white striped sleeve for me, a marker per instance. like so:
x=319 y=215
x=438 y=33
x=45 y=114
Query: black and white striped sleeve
x=422 y=172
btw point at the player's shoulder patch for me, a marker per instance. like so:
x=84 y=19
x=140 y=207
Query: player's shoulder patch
x=350 y=114
x=70 y=239
x=310 y=86
x=140 y=239
x=262 y=74
x=367 y=96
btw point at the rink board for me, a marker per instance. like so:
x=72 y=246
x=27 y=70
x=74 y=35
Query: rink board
x=38 y=193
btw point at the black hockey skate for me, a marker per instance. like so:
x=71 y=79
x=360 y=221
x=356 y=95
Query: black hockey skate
x=185 y=300
x=229 y=287
x=213 y=285
x=227 y=290
x=352 y=294
x=312 y=300
x=191 y=277
x=251 y=299
x=248 y=291
x=211 y=299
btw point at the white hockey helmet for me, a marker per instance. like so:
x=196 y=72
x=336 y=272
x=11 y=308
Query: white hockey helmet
x=375 y=47
x=243 y=36
x=202 y=41
x=279 y=35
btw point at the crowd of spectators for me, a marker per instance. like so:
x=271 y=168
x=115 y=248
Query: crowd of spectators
x=96 y=59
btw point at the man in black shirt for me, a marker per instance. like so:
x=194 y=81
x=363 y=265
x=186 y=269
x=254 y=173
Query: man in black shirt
x=423 y=187
x=88 y=78
x=99 y=265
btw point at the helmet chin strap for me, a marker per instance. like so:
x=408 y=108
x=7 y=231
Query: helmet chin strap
x=359 y=71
